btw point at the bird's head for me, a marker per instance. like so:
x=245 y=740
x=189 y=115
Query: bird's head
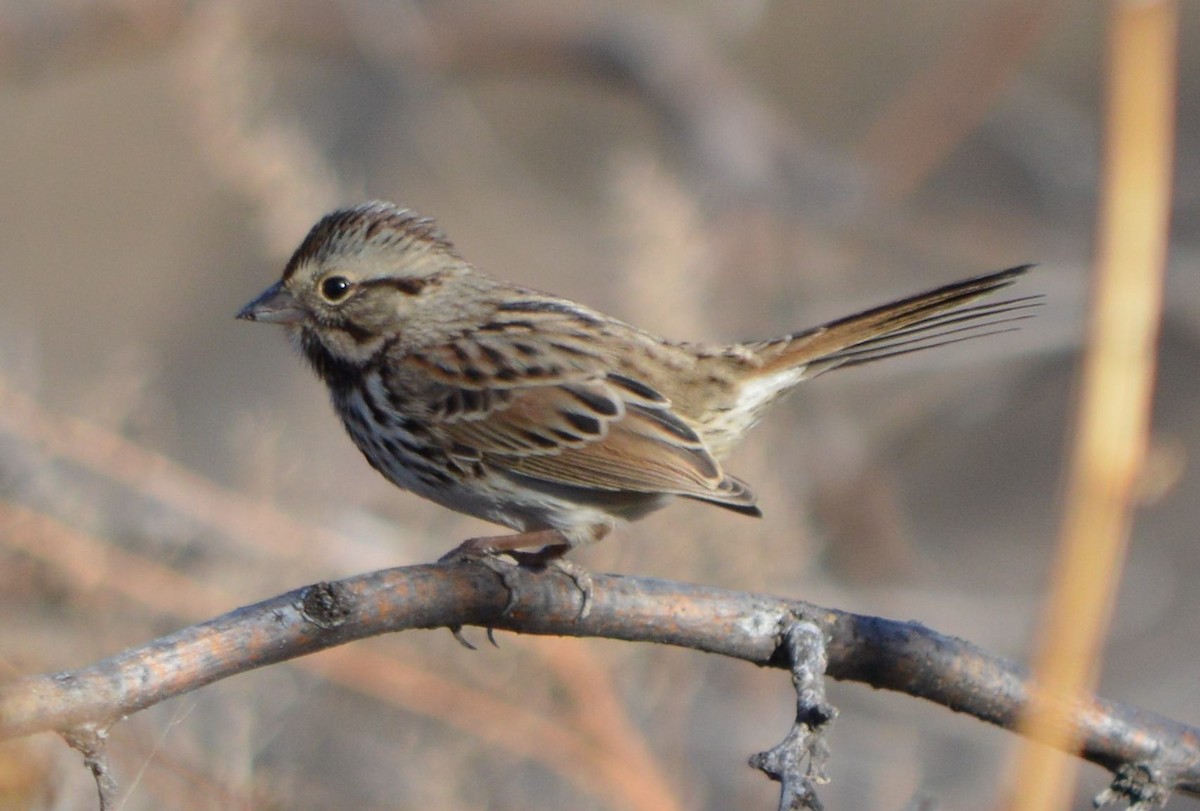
x=359 y=279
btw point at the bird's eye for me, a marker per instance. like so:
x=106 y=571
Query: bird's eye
x=335 y=288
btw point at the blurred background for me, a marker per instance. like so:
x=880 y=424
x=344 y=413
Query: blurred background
x=707 y=170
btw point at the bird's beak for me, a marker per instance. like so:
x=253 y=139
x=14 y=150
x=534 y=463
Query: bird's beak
x=275 y=306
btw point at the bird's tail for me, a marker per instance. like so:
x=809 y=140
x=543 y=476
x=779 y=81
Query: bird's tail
x=937 y=317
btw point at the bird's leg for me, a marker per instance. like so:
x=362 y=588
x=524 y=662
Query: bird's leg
x=551 y=545
x=551 y=557
x=492 y=545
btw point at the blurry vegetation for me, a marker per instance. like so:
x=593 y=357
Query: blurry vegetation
x=707 y=170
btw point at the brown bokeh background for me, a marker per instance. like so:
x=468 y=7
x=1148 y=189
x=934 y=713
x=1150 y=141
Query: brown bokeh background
x=714 y=171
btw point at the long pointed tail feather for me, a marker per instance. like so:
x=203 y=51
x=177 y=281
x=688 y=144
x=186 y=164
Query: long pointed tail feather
x=936 y=317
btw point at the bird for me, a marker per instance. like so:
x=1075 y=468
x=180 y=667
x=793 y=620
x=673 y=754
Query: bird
x=541 y=414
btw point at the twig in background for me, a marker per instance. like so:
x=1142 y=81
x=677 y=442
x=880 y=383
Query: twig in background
x=1115 y=399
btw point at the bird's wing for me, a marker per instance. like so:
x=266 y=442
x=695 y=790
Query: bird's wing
x=550 y=410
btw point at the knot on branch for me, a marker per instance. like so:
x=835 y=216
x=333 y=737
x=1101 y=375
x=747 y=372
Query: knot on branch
x=326 y=605
x=1142 y=785
x=89 y=740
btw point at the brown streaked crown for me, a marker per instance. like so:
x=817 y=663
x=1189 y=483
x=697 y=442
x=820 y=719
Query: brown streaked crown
x=371 y=226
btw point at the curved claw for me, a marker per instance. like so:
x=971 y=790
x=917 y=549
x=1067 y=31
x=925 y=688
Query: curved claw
x=456 y=630
x=507 y=572
x=486 y=551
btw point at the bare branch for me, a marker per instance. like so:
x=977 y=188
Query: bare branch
x=90 y=741
x=906 y=657
x=797 y=763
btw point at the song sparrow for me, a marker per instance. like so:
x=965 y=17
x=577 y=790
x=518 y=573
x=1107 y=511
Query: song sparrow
x=541 y=414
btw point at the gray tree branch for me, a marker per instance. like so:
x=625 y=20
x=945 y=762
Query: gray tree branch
x=903 y=656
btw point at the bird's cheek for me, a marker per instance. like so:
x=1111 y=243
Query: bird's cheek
x=351 y=341
x=382 y=320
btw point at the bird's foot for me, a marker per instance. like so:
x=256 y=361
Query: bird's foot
x=488 y=550
x=551 y=557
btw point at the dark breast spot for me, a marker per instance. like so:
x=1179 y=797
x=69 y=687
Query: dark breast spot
x=379 y=414
x=465 y=452
x=414 y=428
x=432 y=477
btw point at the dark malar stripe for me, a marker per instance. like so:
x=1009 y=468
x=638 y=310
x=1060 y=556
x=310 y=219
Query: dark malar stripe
x=360 y=334
x=340 y=375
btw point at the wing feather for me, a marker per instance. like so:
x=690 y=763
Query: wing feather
x=564 y=418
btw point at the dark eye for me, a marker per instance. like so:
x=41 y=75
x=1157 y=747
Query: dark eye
x=335 y=288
